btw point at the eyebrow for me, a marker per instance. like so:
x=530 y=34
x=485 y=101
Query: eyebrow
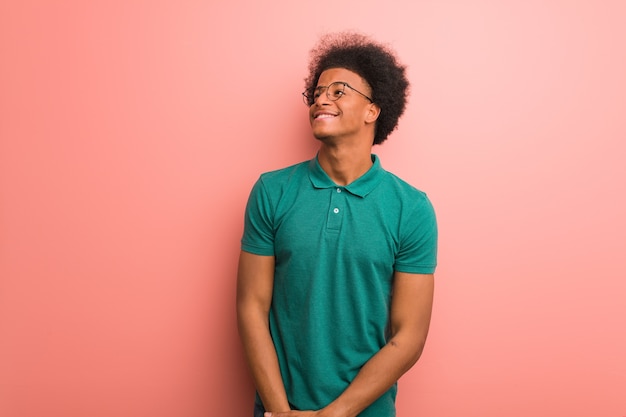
x=341 y=82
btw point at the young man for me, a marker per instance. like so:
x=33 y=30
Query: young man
x=335 y=281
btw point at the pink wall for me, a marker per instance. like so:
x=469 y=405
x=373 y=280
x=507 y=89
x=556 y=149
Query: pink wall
x=132 y=131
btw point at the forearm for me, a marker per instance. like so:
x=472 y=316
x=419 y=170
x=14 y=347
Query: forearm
x=262 y=360
x=255 y=279
x=411 y=308
x=377 y=376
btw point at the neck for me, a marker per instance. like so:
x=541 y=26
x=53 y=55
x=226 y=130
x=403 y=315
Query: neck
x=344 y=164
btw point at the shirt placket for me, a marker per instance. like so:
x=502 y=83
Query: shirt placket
x=336 y=209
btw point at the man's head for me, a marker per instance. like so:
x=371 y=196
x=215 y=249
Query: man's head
x=372 y=61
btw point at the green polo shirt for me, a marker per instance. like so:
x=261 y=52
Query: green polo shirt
x=336 y=248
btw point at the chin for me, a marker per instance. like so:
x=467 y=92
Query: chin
x=322 y=137
x=322 y=134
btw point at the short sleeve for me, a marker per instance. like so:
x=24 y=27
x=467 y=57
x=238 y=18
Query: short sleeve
x=258 y=233
x=418 y=241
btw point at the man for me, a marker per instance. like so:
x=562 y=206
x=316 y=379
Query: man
x=335 y=281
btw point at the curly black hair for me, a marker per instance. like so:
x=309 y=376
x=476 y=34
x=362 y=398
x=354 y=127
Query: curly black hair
x=373 y=61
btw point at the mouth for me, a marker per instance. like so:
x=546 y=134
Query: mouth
x=323 y=115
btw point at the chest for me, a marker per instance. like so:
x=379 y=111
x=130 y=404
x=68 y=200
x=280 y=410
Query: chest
x=337 y=224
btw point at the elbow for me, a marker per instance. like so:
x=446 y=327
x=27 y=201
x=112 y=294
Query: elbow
x=410 y=348
x=251 y=315
x=417 y=351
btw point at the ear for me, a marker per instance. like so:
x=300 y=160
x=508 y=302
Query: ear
x=373 y=111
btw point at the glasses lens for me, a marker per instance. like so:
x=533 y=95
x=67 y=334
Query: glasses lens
x=335 y=91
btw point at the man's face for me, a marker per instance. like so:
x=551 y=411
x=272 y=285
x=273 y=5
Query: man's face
x=349 y=115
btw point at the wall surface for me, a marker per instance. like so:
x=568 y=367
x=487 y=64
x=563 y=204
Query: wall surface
x=132 y=131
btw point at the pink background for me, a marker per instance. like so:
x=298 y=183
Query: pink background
x=132 y=131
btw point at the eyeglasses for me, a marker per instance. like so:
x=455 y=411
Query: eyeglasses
x=334 y=92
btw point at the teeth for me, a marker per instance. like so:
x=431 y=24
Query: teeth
x=324 y=116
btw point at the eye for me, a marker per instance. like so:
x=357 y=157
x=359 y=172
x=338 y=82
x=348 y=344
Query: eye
x=336 y=91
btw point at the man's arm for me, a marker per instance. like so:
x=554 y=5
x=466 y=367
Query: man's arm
x=255 y=281
x=411 y=307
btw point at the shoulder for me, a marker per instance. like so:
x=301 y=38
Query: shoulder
x=405 y=193
x=275 y=185
x=284 y=175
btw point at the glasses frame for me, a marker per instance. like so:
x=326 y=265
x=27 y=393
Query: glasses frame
x=309 y=101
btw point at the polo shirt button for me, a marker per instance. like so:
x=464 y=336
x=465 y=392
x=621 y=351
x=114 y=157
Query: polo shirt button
x=338 y=190
x=336 y=210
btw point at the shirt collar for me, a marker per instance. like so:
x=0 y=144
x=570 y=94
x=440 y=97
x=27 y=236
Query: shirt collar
x=361 y=187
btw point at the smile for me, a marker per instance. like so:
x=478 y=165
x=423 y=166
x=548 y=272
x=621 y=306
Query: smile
x=324 y=116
